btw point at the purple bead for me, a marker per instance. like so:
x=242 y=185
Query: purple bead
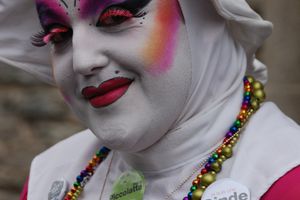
x=229 y=134
x=185 y=198
x=84 y=173
x=208 y=166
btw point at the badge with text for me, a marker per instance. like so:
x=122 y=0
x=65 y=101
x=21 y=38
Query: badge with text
x=226 y=189
x=129 y=186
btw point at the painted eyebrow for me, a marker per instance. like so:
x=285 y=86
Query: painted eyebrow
x=51 y=12
x=93 y=7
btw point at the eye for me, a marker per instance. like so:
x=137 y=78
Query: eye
x=114 y=16
x=58 y=35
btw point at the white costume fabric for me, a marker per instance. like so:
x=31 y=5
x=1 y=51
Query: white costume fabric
x=260 y=158
x=213 y=103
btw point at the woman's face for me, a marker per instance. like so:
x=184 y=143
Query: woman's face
x=123 y=66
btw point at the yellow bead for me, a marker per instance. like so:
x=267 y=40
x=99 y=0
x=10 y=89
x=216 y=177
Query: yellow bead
x=250 y=79
x=208 y=179
x=216 y=167
x=260 y=95
x=254 y=104
x=223 y=157
x=227 y=152
x=197 y=194
x=233 y=142
x=70 y=194
x=257 y=85
x=199 y=176
x=220 y=161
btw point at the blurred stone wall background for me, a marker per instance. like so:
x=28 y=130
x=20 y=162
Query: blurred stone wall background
x=34 y=117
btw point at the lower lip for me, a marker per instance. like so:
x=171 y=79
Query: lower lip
x=109 y=98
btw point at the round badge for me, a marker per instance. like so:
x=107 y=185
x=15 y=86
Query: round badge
x=58 y=190
x=226 y=189
x=129 y=186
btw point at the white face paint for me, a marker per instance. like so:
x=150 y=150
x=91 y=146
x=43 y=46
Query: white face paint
x=151 y=55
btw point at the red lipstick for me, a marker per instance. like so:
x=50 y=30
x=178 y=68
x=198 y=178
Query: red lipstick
x=107 y=92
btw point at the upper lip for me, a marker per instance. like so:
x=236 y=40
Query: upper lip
x=105 y=87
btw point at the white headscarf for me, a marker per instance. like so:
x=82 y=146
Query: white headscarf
x=223 y=35
x=18 y=21
x=220 y=56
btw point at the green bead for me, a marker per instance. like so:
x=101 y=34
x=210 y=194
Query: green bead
x=260 y=95
x=257 y=85
x=250 y=79
x=238 y=123
x=193 y=188
x=227 y=152
x=197 y=194
x=247 y=94
x=76 y=184
x=208 y=179
x=215 y=156
x=216 y=167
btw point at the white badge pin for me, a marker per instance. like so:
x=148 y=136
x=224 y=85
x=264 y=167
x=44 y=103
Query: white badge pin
x=226 y=189
x=58 y=190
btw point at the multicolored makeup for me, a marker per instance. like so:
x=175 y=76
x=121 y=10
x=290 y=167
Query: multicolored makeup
x=160 y=48
x=93 y=7
x=132 y=109
x=51 y=12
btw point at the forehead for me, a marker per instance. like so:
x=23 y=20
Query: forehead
x=82 y=8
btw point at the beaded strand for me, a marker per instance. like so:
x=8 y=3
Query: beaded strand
x=86 y=174
x=254 y=95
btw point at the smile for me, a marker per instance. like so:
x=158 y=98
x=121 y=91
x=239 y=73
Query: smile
x=107 y=92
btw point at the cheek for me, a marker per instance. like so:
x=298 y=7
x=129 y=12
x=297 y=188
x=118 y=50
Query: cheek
x=63 y=76
x=160 y=48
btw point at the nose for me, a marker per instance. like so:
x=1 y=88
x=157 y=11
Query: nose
x=89 y=55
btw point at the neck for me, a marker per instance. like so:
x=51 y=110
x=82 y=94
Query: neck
x=192 y=139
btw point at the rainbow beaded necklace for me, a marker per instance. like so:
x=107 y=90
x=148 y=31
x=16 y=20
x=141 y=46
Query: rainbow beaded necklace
x=253 y=96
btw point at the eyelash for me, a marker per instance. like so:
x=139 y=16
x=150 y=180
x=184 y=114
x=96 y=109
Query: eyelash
x=55 y=35
x=59 y=33
x=121 y=15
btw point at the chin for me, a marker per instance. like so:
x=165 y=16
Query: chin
x=117 y=137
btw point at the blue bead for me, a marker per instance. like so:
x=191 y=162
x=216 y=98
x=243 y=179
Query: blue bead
x=211 y=160
x=247 y=98
x=233 y=129
x=190 y=195
x=105 y=150
x=79 y=179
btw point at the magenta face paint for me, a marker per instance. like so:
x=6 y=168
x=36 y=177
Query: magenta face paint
x=52 y=12
x=160 y=48
x=92 y=7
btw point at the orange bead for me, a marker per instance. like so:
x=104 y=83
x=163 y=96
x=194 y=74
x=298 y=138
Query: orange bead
x=196 y=182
